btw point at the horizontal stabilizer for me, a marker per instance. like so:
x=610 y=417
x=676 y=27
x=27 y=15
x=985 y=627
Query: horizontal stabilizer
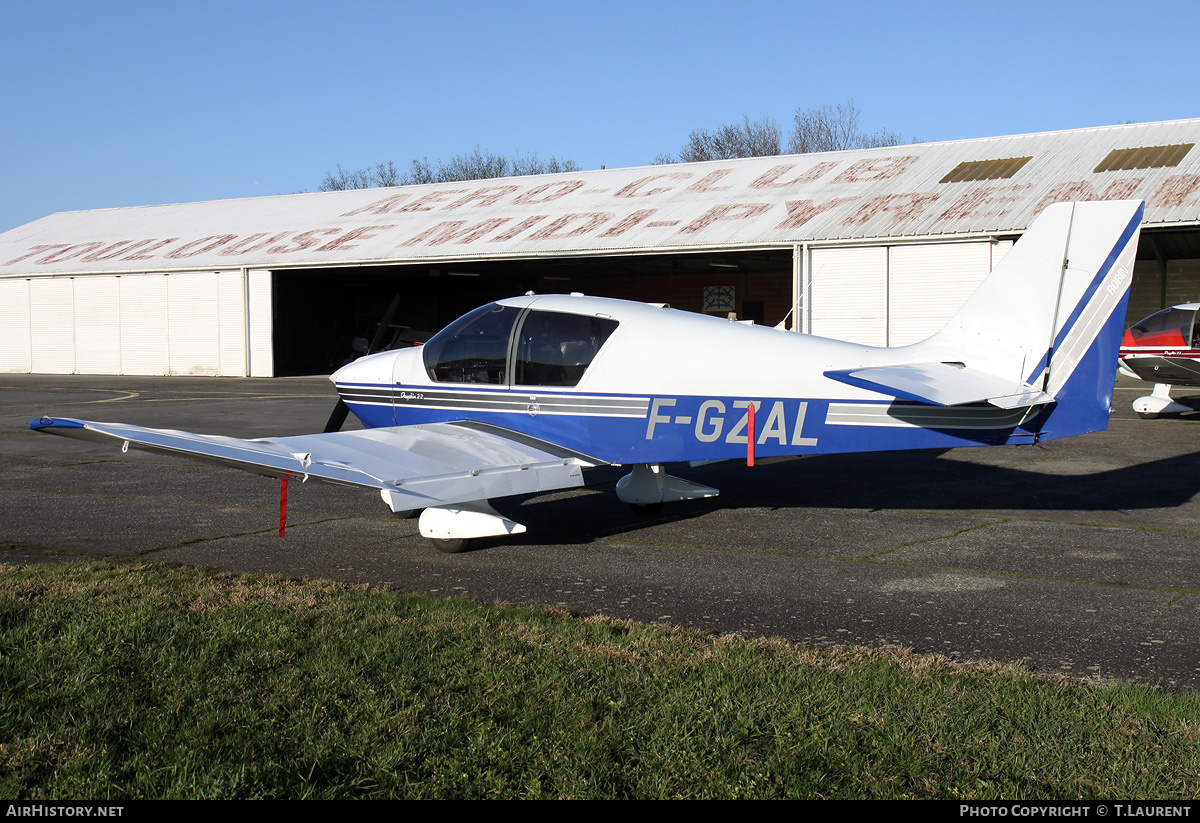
x=943 y=384
x=414 y=466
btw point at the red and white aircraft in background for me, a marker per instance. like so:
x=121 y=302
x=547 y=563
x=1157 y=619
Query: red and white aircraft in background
x=1163 y=349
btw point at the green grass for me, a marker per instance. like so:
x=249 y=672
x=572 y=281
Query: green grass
x=127 y=681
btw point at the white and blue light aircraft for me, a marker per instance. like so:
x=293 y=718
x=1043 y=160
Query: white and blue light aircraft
x=526 y=395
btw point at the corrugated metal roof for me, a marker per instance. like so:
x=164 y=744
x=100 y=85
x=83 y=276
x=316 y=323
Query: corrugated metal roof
x=966 y=187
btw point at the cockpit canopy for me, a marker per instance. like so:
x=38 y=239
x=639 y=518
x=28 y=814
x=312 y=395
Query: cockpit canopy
x=512 y=346
x=1170 y=328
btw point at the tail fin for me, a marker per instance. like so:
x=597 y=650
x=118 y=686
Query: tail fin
x=1048 y=302
x=1042 y=330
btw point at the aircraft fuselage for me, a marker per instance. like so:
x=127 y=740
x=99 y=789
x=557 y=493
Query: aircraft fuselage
x=687 y=382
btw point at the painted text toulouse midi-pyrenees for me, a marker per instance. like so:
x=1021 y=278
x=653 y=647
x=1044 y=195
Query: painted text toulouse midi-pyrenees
x=715 y=200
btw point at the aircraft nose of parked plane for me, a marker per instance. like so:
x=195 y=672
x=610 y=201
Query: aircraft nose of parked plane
x=372 y=368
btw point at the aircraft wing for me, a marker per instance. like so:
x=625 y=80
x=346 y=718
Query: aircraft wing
x=943 y=384
x=413 y=467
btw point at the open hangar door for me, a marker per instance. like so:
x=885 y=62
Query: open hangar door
x=1167 y=271
x=319 y=312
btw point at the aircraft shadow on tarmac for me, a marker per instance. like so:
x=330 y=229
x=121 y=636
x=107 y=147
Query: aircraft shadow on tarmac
x=915 y=480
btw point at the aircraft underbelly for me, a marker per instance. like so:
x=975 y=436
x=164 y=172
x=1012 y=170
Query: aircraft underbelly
x=1178 y=371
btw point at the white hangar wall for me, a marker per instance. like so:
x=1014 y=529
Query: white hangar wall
x=150 y=323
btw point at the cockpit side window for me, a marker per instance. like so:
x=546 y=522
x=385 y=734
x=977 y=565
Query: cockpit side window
x=474 y=348
x=555 y=348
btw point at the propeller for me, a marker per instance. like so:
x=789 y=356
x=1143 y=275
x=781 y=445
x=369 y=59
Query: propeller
x=341 y=411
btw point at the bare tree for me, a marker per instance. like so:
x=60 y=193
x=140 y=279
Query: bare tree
x=881 y=138
x=477 y=164
x=341 y=179
x=381 y=174
x=480 y=164
x=825 y=128
x=820 y=128
x=835 y=128
x=385 y=175
x=420 y=171
x=530 y=164
x=753 y=138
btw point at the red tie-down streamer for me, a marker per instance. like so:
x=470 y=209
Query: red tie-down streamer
x=750 y=434
x=283 y=481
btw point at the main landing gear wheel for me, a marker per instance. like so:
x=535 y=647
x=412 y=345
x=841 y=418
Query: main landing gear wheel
x=1147 y=415
x=453 y=526
x=648 y=509
x=450 y=545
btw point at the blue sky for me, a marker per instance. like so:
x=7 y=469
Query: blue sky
x=134 y=103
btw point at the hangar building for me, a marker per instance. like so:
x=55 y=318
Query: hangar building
x=877 y=246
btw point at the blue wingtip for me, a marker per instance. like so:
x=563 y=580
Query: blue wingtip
x=54 y=423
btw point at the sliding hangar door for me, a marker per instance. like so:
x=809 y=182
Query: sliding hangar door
x=204 y=323
x=891 y=295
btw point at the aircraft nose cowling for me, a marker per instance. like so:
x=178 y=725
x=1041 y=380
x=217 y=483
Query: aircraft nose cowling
x=373 y=368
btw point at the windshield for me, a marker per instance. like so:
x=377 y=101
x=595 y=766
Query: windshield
x=1171 y=327
x=474 y=348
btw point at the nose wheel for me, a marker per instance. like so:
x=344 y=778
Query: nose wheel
x=1158 y=402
